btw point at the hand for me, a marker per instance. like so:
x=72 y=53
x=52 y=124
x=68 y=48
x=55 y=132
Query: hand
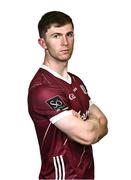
x=76 y=114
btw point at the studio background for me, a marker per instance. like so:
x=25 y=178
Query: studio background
x=101 y=58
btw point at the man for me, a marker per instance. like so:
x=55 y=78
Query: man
x=66 y=121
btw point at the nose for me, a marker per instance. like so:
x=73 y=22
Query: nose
x=64 y=41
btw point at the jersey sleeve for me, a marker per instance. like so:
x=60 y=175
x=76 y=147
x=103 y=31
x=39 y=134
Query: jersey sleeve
x=49 y=102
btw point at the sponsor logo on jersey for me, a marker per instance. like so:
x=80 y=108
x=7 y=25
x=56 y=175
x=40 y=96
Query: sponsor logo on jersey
x=72 y=96
x=83 y=89
x=75 y=89
x=57 y=103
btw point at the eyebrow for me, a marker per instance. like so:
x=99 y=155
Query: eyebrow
x=58 y=33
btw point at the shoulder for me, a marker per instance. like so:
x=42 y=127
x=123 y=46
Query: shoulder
x=43 y=86
x=42 y=78
x=47 y=99
x=42 y=91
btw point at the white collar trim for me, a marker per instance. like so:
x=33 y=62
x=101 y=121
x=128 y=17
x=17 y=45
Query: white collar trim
x=43 y=66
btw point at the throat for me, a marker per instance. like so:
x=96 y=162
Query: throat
x=60 y=68
x=65 y=75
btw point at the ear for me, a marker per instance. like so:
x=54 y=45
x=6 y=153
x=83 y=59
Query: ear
x=42 y=43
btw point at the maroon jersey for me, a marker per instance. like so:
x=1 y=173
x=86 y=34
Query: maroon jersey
x=50 y=99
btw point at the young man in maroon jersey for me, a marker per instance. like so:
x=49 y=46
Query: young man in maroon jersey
x=66 y=121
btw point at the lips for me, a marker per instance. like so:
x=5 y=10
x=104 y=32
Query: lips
x=65 y=51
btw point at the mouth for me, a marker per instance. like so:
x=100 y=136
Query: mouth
x=65 y=50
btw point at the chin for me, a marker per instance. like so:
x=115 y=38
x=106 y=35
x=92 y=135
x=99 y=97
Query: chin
x=64 y=60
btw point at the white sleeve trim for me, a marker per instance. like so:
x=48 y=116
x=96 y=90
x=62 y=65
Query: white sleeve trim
x=59 y=116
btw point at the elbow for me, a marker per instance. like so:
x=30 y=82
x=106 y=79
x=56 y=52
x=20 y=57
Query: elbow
x=90 y=138
x=106 y=131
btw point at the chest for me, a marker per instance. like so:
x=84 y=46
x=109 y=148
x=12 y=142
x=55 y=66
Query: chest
x=77 y=96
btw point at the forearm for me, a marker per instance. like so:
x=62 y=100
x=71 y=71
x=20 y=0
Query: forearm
x=84 y=132
x=102 y=130
x=92 y=129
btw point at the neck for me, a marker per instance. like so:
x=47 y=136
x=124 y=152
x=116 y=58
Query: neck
x=58 y=66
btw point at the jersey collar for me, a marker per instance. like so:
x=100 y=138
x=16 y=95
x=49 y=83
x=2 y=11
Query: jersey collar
x=43 y=66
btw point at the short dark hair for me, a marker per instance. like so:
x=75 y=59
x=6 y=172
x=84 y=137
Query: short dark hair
x=55 y=18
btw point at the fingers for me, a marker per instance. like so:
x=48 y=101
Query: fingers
x=76 y=114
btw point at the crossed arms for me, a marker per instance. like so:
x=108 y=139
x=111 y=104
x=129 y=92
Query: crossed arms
x=85 y=132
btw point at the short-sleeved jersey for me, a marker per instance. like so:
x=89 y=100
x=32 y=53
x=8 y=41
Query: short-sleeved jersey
x=50 y=98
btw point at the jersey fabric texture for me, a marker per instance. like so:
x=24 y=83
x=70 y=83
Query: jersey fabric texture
x=50 y=98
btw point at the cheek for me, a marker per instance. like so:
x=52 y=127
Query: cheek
x=54 y=45
x=71 y=43
x=52 y=49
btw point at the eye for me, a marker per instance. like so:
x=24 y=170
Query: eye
x=56 y=36
x=70 y=34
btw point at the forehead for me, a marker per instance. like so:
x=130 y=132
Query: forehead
x=62 y=29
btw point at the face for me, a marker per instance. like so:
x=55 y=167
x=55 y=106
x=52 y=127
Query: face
x=58 y=42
